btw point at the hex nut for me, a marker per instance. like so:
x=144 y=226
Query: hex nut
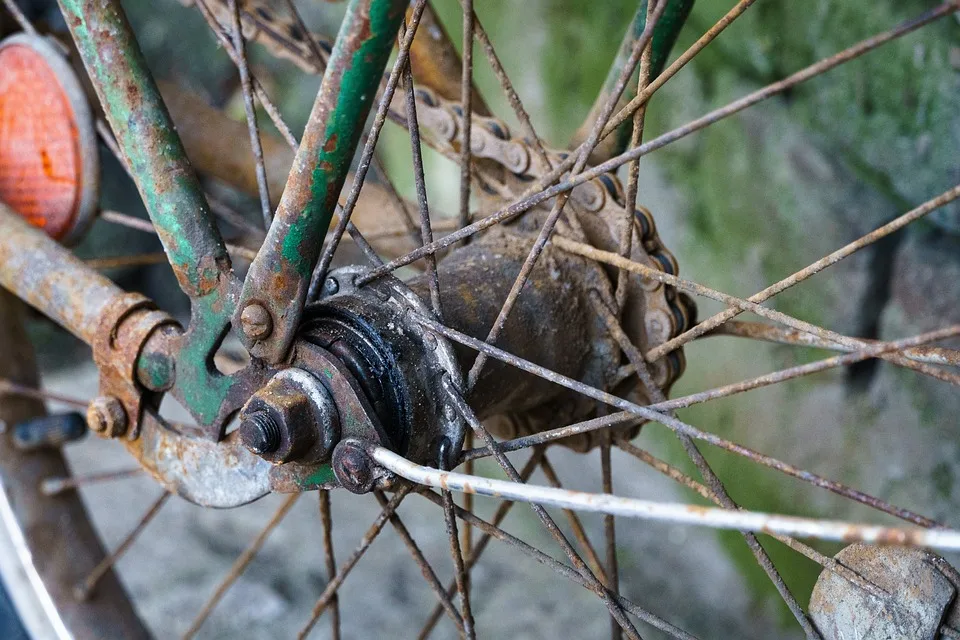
x=299 y=406
x=107 y=417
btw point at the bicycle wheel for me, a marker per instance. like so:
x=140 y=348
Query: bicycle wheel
x=554 y=302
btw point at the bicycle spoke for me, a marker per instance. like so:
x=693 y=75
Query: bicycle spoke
x=428 y=573
x=778 y=335
x=632 y=411
x=477 y=551
x=738 y=305
x=825 y=561
x=326 y=525
x=53 y=486
x=246 y=85
x=706 y=471
x=319 y=57
x=466 y=102
x=83 y=590
x=147 y=227
x=550 y=223
x=633 y=172
x=366 y=157
x=116 y=262
x=467 y=413
x=240 y=565
x=646 y=92
x=224 y=40
x=18 y=15
x=610 y=529
x=9 y=387
x=333 y=585
x=426 y=232
x=672 y=512
x=578 y=531
x=811 y=269
x=561 y=568
x=541 y=189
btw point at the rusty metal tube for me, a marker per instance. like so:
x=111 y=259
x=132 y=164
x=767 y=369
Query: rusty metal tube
x=51 y=279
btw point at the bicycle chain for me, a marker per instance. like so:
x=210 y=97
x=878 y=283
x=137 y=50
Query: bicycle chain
x=505 y=166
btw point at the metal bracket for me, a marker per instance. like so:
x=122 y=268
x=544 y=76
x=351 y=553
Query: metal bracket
x=125 y=325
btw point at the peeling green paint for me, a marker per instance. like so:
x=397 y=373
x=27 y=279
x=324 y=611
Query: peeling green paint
x=362 y=73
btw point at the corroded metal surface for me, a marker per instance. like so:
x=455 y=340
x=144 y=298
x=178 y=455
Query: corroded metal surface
x=280 y=275
x=149 y=142
x=50 y=279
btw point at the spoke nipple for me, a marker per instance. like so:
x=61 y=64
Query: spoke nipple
x=260 y=432
x=107 y=417
x=256 y=321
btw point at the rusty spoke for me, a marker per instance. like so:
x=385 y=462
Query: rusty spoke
x=595 y=585
x=706 y=471
x=366 y=157
x=83 y=590
x=9 y=387
x=779 y=335
x=471 y=560
x=577 y=526
x=56 y=485
x=466 y=102
x=561 y=568
x=825 y=561
x=646 y=91
x=739 y=304
x=428 y=573
x=811 y=269
x=610 y=530
x=319 y=56
x=633 y=172
x=333 y=585
x=146 y=226
x=426 y=232
x=541 y=189
x=330 y=563
x=240 y=565
x=631 y=412
x=18 y=15
x=223 y=38
x=239 y=47
x=550 y=223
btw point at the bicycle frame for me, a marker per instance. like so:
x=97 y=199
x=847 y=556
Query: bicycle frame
x=179 y=211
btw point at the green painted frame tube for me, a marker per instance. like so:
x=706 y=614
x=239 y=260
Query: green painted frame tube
x=279 y=277
x=664 y=37
x=149 y=142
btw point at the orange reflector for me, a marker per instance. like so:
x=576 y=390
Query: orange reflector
x=48 y=155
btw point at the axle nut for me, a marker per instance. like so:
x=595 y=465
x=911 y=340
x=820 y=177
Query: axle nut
x=292 y=418
x=256 y=321
x=107 y=417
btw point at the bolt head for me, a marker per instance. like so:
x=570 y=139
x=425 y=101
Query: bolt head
x=330 y=286
x=353 y=467
x=107 y=417
x=256 y=321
